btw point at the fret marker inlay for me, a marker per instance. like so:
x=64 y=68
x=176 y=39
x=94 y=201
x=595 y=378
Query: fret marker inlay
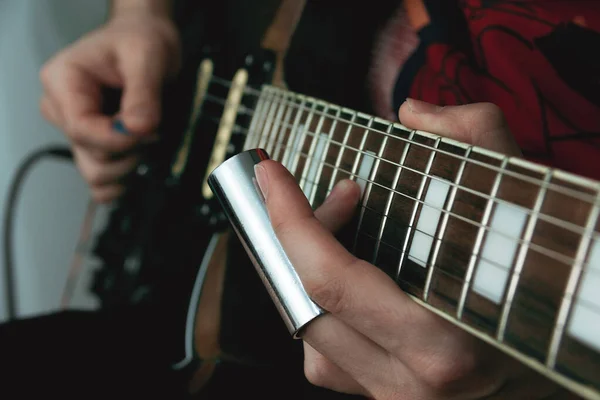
x=429 y=220
x=313 y=169
x=364 y=171
x=501 y=242
x=300 y=135
x=585 y=320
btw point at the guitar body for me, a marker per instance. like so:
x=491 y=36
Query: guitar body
x=167 y=250
x=167 y=247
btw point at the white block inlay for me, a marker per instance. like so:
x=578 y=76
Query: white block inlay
x=296 y=148
x=585 y=319
x=585 y=325
x=420 y=248
x=429 y=218
x=364 y=171
x=313 y=169
x=496 y=258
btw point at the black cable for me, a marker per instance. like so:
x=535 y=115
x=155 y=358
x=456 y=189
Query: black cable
x=9 y=213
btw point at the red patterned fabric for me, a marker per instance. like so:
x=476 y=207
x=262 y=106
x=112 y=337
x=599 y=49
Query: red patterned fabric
x=539 y=61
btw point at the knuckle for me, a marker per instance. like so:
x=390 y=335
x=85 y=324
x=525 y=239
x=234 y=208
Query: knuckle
x=77 y=136
x=493 y=114
x=330 y=293
x=95 y=177
x=445 y=373
x=317 y=371
x=139 y=45
x=99 y=196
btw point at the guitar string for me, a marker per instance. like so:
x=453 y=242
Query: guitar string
x=545 y=217
x=556 y=256
x=550 y=253
x=460 y=280
x=580 y=195
x=541 y=249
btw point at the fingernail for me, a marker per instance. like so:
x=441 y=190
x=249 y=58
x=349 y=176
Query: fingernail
x=339 y=189
x=118 y=126
x=421 y=107
x=262 y=179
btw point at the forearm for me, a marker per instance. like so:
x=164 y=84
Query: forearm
x=154 y=7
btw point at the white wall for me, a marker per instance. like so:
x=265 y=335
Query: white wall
x=54 y=197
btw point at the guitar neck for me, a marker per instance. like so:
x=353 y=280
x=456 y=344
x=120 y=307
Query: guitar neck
x=505 y=248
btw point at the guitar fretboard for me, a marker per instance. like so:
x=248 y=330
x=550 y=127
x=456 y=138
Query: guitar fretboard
x=508 y=248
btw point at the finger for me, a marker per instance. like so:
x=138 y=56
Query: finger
x=101 y=173
x=143 y=73
x=363 y=296
x=78 y=99
x=340 y=205
x=321 y=372
x=107 y=194
x=480 y=124
x=50 y=112
x=370 y=366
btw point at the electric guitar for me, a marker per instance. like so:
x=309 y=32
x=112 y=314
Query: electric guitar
x=505 y=249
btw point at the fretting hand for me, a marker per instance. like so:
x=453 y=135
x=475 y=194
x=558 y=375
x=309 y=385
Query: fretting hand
x=374 y=340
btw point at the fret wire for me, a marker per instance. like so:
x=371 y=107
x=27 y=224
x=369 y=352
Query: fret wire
x=304 y=133
x=341 y=152
x=260 y=117
x=362 y=154
x=393 y=246
x=588 y=304
x=443 y=225
x=276 y=124
x=477 y=247
x=361 y=150
x=554 y=187
x=284 y=125
x=266 y=130
x=409 y=232
x=313 y=146
x=535 y=247
x=456 y=247
x=293 y=132
x=449 y=244
x=520 y=261
x=254 y=121
x=545 y=217
x=367 y=194
x=540 y=249
x=574 y=281
x=324 y=155
x=390 y=198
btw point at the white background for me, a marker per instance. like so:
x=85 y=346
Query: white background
x=54 y=197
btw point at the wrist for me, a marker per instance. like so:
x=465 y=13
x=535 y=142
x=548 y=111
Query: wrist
x=156 y=8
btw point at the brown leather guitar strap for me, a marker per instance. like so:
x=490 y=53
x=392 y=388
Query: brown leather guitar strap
x=279 y=34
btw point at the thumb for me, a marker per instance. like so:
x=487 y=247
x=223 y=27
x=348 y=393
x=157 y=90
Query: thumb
x=479 y=124
x=143 y=74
